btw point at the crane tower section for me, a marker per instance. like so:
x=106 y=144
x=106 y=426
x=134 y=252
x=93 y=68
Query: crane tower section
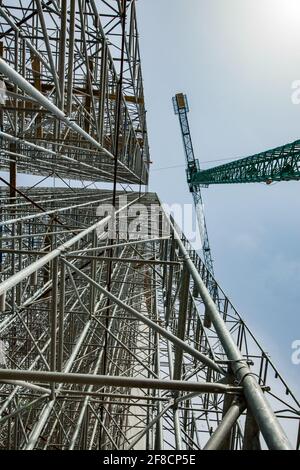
x=181 y=108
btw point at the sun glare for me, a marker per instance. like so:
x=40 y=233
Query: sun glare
x=289 y=10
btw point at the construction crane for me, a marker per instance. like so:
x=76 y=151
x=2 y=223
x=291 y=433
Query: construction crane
x=181 y=108
x=278 y=164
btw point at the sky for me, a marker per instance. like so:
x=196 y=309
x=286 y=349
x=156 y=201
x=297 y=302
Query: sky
x=236 y=61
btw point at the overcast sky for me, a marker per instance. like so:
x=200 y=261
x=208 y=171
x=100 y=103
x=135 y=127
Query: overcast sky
x=236 y=61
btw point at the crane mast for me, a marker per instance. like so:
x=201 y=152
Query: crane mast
x=181 y=109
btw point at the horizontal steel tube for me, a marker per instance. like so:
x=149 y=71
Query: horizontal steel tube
x=124 y=260
x=117 y=245
x=40 y=148
x=116 y=381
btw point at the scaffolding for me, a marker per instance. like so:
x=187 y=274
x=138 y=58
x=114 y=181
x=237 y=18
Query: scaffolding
x=103 y=343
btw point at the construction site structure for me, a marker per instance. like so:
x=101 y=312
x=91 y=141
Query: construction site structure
x=102 y=298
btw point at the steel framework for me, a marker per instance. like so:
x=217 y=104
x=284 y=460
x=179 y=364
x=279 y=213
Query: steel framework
x=102 y=337
x=65 y=110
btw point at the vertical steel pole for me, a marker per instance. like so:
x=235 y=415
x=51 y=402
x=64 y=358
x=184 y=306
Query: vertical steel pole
x=60 y=352
x=70 y=72
x=62 y=53
x=53 y=320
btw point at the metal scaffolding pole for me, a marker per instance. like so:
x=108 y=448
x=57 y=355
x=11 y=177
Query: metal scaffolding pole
x=268 y=423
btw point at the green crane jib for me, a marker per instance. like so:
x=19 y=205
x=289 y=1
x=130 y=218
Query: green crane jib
x=279 y=164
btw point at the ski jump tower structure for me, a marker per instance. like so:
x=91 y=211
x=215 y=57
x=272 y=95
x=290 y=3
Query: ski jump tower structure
x=102 y=337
